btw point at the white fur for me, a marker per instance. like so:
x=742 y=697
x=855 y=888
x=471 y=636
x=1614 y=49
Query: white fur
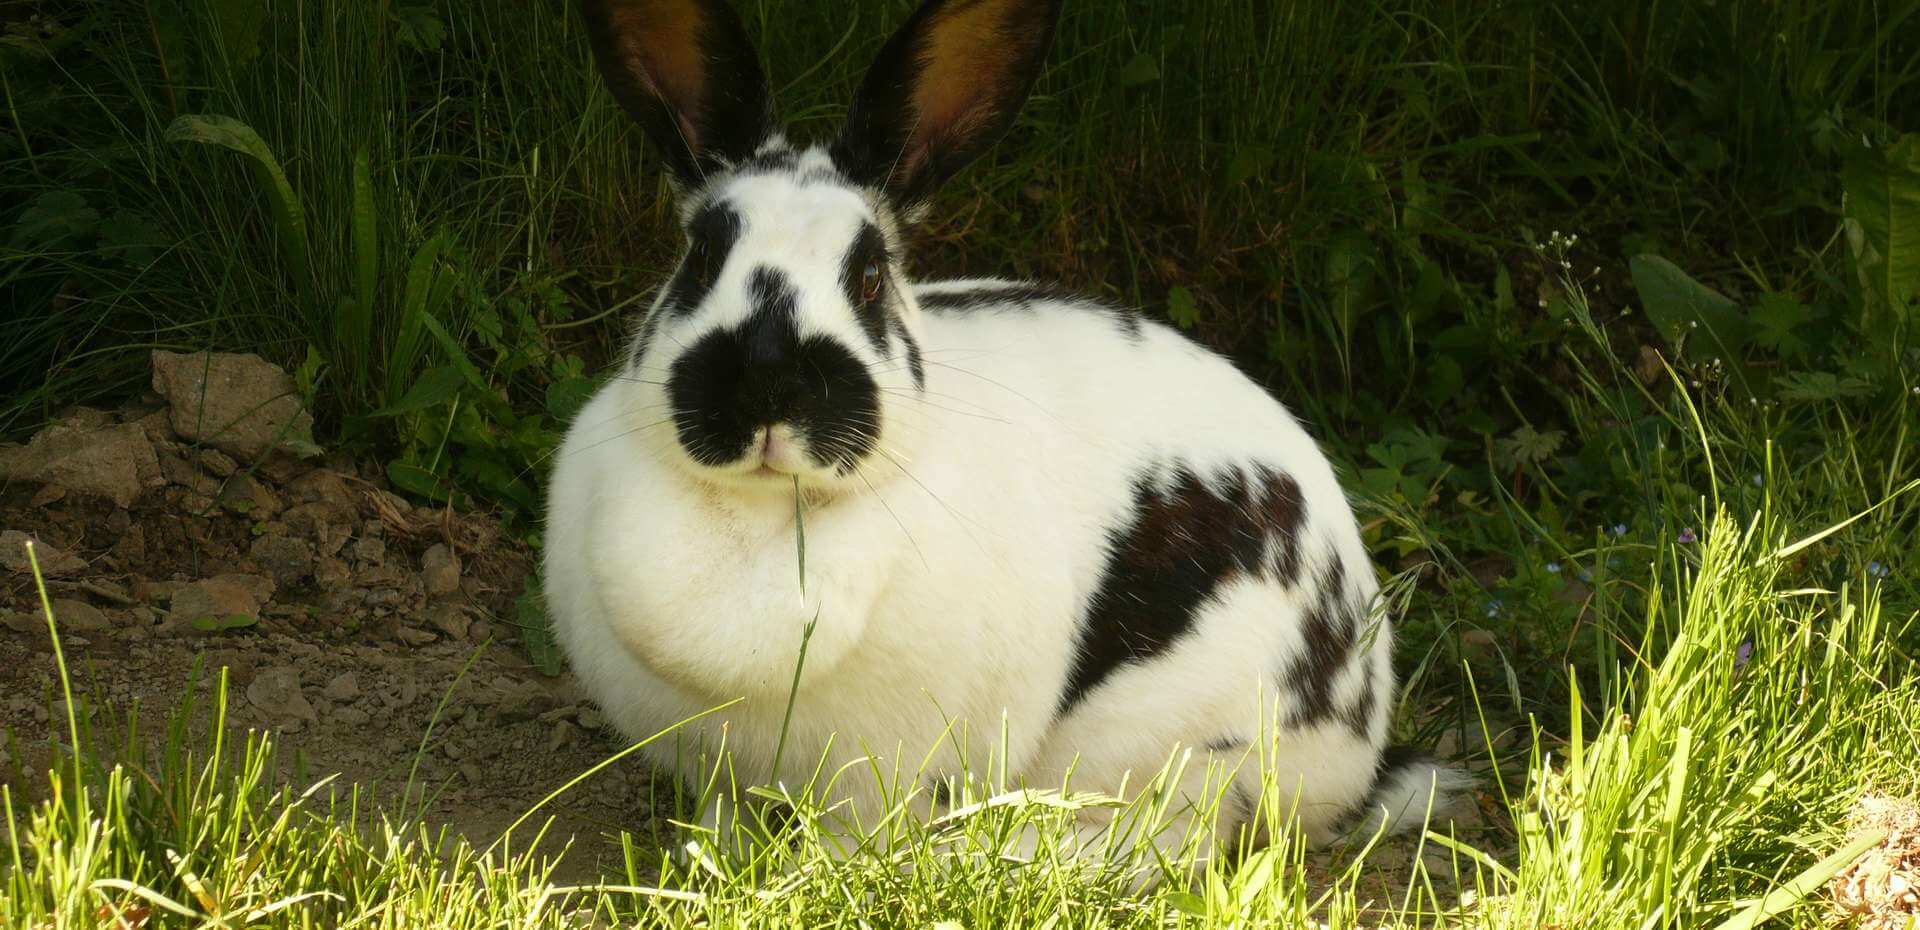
x=949 y=575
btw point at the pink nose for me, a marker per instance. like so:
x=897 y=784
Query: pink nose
x=782 y=449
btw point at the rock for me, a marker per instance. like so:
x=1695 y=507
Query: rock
x=344 y=687
x=79 y=616
x=276 y=691
x=288 y=560
x=449 y=619
x=115 y=462
x=21 y=621
x=350 y=716
x=560 y=736
x=412 y=636
x=54 y=562
x=218 y=463
x=240 y=404
x=47 y=496
x=243 y=495
x=216 y=604
x=371 y=550
x=440 y=571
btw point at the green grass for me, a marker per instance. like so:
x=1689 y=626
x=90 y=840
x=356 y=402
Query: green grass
x=1589 y=457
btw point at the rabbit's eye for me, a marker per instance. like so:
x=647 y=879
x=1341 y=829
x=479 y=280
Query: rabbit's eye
x=870 y=282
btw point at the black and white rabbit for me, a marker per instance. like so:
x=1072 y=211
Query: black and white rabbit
x=1066 y=529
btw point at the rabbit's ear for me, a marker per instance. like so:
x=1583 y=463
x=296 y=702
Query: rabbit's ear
x=943 y=89
x=686 y=71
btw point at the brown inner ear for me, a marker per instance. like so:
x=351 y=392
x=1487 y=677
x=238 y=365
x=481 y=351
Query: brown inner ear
x=967 y=52
x=662 y=45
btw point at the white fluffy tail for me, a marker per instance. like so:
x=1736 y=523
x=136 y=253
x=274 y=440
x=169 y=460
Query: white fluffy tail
x=1411 y=790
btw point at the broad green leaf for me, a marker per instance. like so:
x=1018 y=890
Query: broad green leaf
x=566 y=397
x=240 y=22
x=1883 y=228
x=366 y=256
x=435 y=386
x=133 y=237
x=54 y=217
x=1777 y=319
x=290 y=218
x=1182 y=309
x=1140 y=69
x=416 y=480
x=1692 y=316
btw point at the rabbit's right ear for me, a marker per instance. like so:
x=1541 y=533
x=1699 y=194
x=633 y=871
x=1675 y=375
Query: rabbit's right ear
x=944 y=87
x=686 y=71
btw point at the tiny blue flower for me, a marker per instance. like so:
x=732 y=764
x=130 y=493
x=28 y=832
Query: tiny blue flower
x=1553 y=568
x=1744 y=653
x=1878 y=570
x=1758 y=482
x=1495 y=608
x=1585 y=576
x=1686 y=536
x=1619 y=529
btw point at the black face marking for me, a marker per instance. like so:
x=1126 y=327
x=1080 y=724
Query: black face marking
x=731 y=382
x=869 y=248
x=711 y=234
x=772 y=160
x=916 y=365
x=1330 y=628
x=1028 y=298
x=1185 y=539
x=1225 y=744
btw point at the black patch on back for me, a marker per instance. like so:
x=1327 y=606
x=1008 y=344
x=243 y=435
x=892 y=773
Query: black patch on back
x=711 y=234
x=1330 y=629
x=731 y=382
x=1023 y=298
x=868 y=246
x=1185 y=538
x=916 y=365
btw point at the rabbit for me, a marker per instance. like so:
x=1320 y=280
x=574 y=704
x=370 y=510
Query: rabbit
x=1064 y=529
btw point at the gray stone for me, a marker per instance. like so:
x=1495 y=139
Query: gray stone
x=54 y=562
x=79 y=616
x=115 y=462
x=241 y=404
x=440 y=570
x=276 y=691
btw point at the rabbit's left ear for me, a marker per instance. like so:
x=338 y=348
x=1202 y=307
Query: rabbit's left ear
x=944 y=88
x=687 y=73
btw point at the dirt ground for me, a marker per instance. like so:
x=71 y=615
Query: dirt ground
x=343 y=614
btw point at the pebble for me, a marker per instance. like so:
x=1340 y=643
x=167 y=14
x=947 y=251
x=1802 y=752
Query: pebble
x=344 y=687
x=277 y=691
x=79 y=616
x=440 y=570
x=449 y=619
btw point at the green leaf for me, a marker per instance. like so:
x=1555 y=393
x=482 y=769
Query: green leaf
x=1693 y=317
x=290 y=218
x=53 y=218
x=1883 y=228
x=1777 y=319
x=566 y=397
x=1801 y=886
x=1821 y=386
x=1181 y=307
x=420 y=28
x=132 y=237
x=435 y=386
x=1527 y=446
x=1141 y=69
x=536 y=630
x=239 y=22
x=416 y=480
x=366 y=254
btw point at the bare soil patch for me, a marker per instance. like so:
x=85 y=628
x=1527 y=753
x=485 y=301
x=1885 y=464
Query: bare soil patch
x=343 y=615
